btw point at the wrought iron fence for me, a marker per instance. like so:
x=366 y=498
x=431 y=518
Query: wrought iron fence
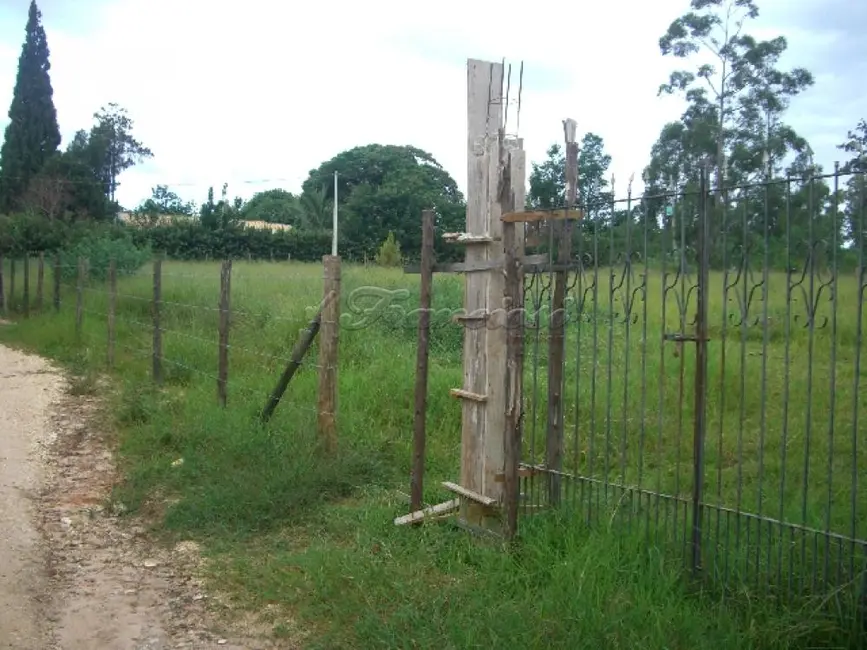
x=710 y=396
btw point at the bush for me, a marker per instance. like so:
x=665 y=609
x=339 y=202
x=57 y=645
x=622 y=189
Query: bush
x=389 y=252
x=99 y=252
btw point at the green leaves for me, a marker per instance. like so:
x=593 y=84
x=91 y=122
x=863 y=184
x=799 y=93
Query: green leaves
x=382 y=189
x=32 y=135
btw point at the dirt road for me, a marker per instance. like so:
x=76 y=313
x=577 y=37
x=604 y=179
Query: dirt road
x=74 y=576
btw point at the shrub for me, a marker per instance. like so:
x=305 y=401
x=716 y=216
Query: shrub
x=389 y=252
x=100 y=250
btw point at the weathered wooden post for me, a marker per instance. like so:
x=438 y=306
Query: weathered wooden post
x=421 y=371
x=223 y=334
x=328 y=354
x=556 y=338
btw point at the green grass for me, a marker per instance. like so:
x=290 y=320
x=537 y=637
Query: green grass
x=313 y=535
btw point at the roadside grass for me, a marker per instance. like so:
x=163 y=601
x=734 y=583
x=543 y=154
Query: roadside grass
x=312 y=536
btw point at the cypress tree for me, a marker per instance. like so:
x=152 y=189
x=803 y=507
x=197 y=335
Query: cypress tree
x=32 y=135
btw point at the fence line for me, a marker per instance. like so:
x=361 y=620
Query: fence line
x=114 y=317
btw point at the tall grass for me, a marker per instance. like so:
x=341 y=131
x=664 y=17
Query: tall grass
x=313 y=534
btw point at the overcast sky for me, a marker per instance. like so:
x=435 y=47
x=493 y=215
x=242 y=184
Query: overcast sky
x=258 y=93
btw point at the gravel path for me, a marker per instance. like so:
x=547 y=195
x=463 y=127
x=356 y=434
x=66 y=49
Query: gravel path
x=74 y=576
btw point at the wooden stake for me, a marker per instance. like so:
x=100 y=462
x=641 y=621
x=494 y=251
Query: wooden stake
x=328 y=357
x=158 y=335
x=298 y=353
x=514 y=299
x=554 y=446
x=79 y=298
x=40 y=280
x=12 y=264
x=2 y=286
x=112 y=305
x=421 y=371
x=223 y=361
x=57 y=282
x=26 y=286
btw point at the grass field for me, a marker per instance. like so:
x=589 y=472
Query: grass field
x=313 y=537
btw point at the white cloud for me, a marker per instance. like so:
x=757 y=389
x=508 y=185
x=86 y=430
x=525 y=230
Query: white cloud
x=264 y=90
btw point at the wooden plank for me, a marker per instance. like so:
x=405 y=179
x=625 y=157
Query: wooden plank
x=477 y=267
x=468 y=395
x=421 y=371
x=427 y=513
x=571 y=214
x=328 y=356
x=223 y=332
x=484 y=118
x=464 y=238
x=472 y=495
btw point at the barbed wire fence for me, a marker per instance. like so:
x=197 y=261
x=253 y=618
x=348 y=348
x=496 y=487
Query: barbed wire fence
x=178 y=340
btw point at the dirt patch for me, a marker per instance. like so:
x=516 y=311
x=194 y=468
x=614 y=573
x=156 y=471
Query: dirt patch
x=76 y=575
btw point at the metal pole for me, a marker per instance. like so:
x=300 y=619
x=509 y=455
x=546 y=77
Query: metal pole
x=334 y=220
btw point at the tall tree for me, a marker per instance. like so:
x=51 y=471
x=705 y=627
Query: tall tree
x=384 y=188
x=733 y=126
x=32 y=134
x=742 y=95
x=114 y=149
x=856 y=185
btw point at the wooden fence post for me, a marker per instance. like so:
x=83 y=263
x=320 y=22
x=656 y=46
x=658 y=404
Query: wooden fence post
x=112 y=306
x=12 y=265
x=26 y=297
x=554 y=447
x=298 y=353
x=40 y=281
x=57 y=275
x=158 y=335
x=2 y=286
x=225 y=313
x=328 y=346
x=79 y=298
x=421 y=372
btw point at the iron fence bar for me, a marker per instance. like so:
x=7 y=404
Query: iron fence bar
x=700 y=388
x=859 y=332
x=763 y=417
x=643 y=409
x=786 y=392
x=594 y=375
x=833 y=379
x=810 y=345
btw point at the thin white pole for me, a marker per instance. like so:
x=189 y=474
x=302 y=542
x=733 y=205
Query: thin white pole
x=334 y=220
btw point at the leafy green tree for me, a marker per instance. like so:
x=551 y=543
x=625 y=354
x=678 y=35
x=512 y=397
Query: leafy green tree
x=856 y=185
x=384 y=188
x=32 y=135
x=389 y=252
x=112 y=148
x=316 y=209
x=732 y=127
x=222 y=214
x=273 y=206
x=742 y=96
x=163 y=202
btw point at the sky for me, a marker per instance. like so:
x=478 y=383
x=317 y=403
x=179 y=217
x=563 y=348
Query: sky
x=258 y=93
